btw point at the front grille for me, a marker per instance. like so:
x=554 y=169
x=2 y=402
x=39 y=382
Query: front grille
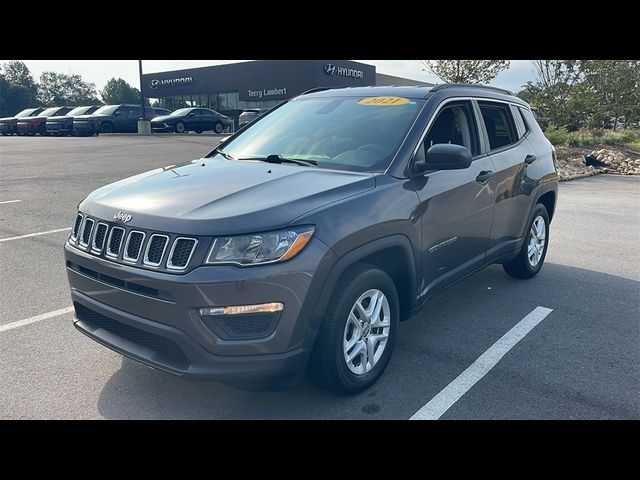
x=147 y=249
x=134 y=244
x=115 y=241
x=86 y=232
x=181 y=253
x=166 y=350
x=99 y=237
x=155 y=250
x=76 y=227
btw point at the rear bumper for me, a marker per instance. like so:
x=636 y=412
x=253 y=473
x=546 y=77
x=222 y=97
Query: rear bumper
x=169 y=349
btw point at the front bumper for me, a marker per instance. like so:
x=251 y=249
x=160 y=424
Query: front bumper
x=139 y=326
x=161 y=127
x=7 y=127
x=83 y=128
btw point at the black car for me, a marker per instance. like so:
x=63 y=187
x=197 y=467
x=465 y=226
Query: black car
x=306 y=237
x=64 y=125
x=111 y=119
x=161 y=111
x=9 y=125
x=249 y=115
x=191 y=119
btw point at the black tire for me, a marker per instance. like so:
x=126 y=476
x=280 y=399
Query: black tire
x=180 y=127
x=521 y=267
x=106 y=127
x=218 y=127
x=198 y=131
x=328 y=364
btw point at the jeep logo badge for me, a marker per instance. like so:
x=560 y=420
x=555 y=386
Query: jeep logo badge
x=125 y=217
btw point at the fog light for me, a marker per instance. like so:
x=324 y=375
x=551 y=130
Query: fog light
x=242 y=309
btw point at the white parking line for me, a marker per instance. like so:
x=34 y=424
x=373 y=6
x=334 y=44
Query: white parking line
x=37 y=318
x=35 y=234
x=10 y=201
x=438 y=405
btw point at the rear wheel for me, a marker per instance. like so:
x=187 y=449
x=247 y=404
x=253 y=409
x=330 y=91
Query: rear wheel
x=198 y=131
x=218 y=128
x=180 y=127
x=534 y=248
x=357 y=336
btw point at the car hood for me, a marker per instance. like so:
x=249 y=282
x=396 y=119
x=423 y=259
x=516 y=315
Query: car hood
x=7 y=119
x=214 y=196
x=89 y=117
x=65 y=118
x=164 y=118
x=31 y=119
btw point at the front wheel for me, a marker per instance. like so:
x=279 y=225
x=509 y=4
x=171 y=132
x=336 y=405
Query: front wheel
x=534 y=248
x=357 y=336
x=180 y=127
x=106 y=128
x=218 y=128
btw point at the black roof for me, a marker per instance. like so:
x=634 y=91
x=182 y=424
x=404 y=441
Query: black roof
x=420 y=91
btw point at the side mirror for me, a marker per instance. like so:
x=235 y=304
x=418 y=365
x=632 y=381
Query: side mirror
x=191 y=114
x=443 y=156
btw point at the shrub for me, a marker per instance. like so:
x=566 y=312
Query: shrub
x=557 y=135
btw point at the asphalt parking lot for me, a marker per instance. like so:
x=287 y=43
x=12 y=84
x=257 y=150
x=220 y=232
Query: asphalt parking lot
x=582 y=361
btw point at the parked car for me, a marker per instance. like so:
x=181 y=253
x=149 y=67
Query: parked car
x=161 y=111
x=111 y=119
x=38 y=124
x=306 y=237
x=249 y=115
x=8 y=125
x=64 y=125
x=191 y=119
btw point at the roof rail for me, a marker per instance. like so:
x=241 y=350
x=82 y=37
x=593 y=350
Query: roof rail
x=316 y=89
x=442 y=86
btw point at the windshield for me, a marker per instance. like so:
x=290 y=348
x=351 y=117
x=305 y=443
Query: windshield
x=106 y=110
x=346 y=133
x=181 y=111
x=78 y=111
x=26 y=113
x=49 y=111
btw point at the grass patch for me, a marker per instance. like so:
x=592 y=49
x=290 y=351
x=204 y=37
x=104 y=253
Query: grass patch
x=585 y=137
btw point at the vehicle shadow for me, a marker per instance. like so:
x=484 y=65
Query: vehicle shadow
x=586 y=352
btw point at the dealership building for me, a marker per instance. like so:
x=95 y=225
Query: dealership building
x=234 y=87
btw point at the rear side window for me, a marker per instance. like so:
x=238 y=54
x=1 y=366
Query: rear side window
x=529 y=120
x=499 y=124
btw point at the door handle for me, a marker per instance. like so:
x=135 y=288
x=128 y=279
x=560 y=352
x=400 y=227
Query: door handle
x=484 y=176
x=529 y=159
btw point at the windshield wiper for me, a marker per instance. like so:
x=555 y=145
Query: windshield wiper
x=226 y=155
x=279 y=159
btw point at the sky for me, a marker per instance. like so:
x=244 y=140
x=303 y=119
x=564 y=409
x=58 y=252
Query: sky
x=100 y=71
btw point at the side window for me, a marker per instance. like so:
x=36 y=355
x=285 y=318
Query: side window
x=454 y=124
x=499 y=124
x=529 y=120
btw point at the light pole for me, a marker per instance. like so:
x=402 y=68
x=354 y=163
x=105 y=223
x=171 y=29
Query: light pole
x=144 y=126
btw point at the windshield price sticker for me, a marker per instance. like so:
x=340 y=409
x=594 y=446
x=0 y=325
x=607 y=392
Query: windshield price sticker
x=385 y=101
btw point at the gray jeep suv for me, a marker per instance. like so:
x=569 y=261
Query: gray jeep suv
x=308 y=236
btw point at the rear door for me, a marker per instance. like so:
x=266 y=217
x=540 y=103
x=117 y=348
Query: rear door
x=515 y=174
x=456 y=206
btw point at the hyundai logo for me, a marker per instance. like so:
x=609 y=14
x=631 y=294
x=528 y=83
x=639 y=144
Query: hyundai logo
x=330 y=69
x=333 y=70
x=170 y=82
x=155 y=83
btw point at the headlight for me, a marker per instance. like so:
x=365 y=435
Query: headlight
x=260 y=248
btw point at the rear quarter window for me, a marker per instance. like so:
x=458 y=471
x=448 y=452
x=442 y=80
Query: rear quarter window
x=499 y=124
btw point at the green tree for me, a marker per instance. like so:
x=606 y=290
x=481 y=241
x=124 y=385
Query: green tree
x=612 y=87
x=118 y=90
x=17 y=88
x=557 y=94
x=62 y=89
x=466 y=71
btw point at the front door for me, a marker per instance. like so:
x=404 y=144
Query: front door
x=456 y=205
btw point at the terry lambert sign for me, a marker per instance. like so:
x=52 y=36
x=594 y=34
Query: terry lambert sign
x=334 y=70
x=171 y=82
